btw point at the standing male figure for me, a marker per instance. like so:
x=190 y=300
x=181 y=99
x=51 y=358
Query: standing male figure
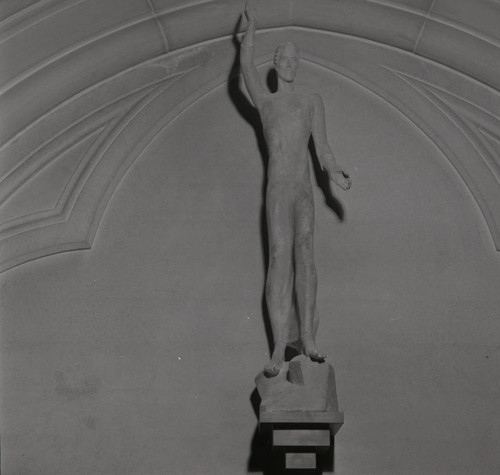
x=288 y=120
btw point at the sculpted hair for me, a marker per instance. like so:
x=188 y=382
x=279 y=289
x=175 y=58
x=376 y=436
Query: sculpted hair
x=280 y=49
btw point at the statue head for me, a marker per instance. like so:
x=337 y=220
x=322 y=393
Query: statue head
x=286 y=61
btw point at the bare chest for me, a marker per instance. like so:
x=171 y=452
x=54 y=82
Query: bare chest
x=286 y=114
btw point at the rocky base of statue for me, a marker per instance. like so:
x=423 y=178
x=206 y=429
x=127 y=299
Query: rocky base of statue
x=299 y=413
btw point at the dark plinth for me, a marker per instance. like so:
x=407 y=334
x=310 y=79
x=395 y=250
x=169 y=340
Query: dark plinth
x=299 y=413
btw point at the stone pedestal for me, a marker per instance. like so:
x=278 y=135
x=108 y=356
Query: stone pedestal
x=299 y=413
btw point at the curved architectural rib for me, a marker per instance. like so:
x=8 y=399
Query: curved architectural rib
x=467 y=141
x=397 y=25
x=73 y=222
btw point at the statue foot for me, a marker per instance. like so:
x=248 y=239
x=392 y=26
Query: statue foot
x=316 y=356
x=274 y=366
x=309 y=349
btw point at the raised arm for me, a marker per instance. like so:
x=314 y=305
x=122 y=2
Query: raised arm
x=325 y=155
x=250 y=74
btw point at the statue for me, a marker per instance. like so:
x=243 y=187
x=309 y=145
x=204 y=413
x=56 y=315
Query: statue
x=289 y=118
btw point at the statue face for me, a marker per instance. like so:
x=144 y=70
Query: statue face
x=287 y=62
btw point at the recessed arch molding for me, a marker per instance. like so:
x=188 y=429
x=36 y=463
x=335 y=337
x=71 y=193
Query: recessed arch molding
x=101 y=78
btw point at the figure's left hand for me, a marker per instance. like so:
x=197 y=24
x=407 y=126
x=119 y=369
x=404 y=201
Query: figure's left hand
x=341 y=178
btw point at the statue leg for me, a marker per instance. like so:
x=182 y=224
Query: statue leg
x=279 y=282
x=305 y=273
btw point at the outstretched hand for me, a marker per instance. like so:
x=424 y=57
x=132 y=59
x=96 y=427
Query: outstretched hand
x=341 y=178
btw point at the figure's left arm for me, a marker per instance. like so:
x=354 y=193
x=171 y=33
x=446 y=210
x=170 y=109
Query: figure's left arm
x=326 y=158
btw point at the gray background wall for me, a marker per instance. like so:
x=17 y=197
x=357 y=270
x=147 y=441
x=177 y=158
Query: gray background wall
x=138 y=355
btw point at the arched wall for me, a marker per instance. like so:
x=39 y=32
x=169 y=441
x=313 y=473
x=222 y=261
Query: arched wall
x=84 y=76
x=138 y=356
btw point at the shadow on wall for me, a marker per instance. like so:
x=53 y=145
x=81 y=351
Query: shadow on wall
x=251 y=115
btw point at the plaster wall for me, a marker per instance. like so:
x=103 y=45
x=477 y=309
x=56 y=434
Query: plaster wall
x=127 y=134
x=139 y=356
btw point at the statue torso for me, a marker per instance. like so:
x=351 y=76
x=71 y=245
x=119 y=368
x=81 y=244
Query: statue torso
x=287 y=121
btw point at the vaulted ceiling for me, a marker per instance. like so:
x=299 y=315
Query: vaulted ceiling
x=85 y=85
